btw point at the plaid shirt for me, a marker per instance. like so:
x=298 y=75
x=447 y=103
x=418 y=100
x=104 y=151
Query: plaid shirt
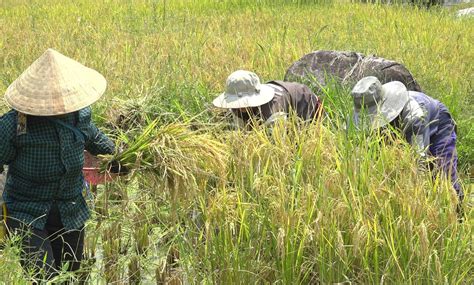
x=45 y=161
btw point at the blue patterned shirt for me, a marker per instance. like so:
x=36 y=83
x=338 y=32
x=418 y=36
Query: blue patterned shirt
x=45 y=161
x=425 y=121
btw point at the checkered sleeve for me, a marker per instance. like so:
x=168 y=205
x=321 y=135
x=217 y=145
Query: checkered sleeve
x=7 y=129
x=96 y=141
x=99 y=143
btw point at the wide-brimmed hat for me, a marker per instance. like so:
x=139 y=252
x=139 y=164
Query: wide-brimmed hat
x=53 y=85
x=244 y=90
x=381 y=103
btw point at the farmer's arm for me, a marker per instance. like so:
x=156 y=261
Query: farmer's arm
x=304 y=101
x=315 y=107
x=416 y=127
x=96 y=141
x=99 y=143
x=8 y=131
x=417 y=134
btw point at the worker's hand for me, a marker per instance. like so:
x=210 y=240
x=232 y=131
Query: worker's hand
x=115 y=167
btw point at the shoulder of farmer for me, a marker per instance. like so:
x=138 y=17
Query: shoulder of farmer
x=85 y=115
x=414 y=119
x=277 y=85
x=289 y=90
x=8 y=123
x=96 y=142
x=280 y=102
x=313 y=100
x=303 y=99
x=298 y=90
x=431 y=106
x=84 y=123
x=415 y=109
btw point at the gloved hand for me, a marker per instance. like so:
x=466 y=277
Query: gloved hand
x=115 y=167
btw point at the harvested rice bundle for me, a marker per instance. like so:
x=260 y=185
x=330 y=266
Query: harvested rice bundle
x=172 y=152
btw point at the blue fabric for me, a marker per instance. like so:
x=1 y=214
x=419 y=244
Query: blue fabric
x=438 y=130
x=444 y=149
x=436 y=122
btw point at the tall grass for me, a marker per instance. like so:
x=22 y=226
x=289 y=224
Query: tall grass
x=182 y=51
x=319 y=203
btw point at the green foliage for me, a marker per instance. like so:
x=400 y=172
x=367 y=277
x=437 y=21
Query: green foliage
x=182 y=51
x=314 y=204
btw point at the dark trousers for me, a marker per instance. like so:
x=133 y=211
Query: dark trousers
x=444 y=149
x=45 y=252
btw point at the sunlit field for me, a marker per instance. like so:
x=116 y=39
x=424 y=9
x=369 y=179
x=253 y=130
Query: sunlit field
x=302 y=204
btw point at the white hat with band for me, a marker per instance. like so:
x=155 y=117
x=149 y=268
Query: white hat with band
x=381 y=103
x=244 y=90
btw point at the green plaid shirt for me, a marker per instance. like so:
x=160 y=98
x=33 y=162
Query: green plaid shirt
x=45 y=161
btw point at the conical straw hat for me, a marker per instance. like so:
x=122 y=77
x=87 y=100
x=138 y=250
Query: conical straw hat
x=53 y=85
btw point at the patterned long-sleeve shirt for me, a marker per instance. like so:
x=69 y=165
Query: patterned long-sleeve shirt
x=425 y=121
x=428 y=125
x=45 y=161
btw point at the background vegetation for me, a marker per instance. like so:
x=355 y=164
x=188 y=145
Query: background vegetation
x=314 y=204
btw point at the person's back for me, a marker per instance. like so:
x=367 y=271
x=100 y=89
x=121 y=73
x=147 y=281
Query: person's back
x=45 y=164
x=438 y=118
x=43 y=142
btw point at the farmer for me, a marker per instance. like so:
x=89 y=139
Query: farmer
x=43 y=140
x=424 y=121
x=250 y=101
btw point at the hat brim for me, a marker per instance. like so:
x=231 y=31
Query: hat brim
x=232 y=101
x=55 y=84
x=396 y=97
x=82 y=93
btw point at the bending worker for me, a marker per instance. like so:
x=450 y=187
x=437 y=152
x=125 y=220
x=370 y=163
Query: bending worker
x=251 y=102
x=43 y=142
x=425 y=122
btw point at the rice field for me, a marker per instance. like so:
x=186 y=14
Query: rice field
x=303 y=204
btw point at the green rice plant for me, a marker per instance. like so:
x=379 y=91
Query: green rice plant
x=9 y=260
x=345 y=220
x=134 y=275
x=112 y=245
x=301 y=204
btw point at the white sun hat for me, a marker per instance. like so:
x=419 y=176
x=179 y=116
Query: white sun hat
x=381 y=103
x=244 y=90
x=54 y=85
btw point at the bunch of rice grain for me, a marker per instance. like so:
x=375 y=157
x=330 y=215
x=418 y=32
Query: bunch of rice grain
x=172 y=151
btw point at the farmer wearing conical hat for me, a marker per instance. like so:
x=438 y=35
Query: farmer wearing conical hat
x=250 y=101
x=43 y=141
x=425 y=122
